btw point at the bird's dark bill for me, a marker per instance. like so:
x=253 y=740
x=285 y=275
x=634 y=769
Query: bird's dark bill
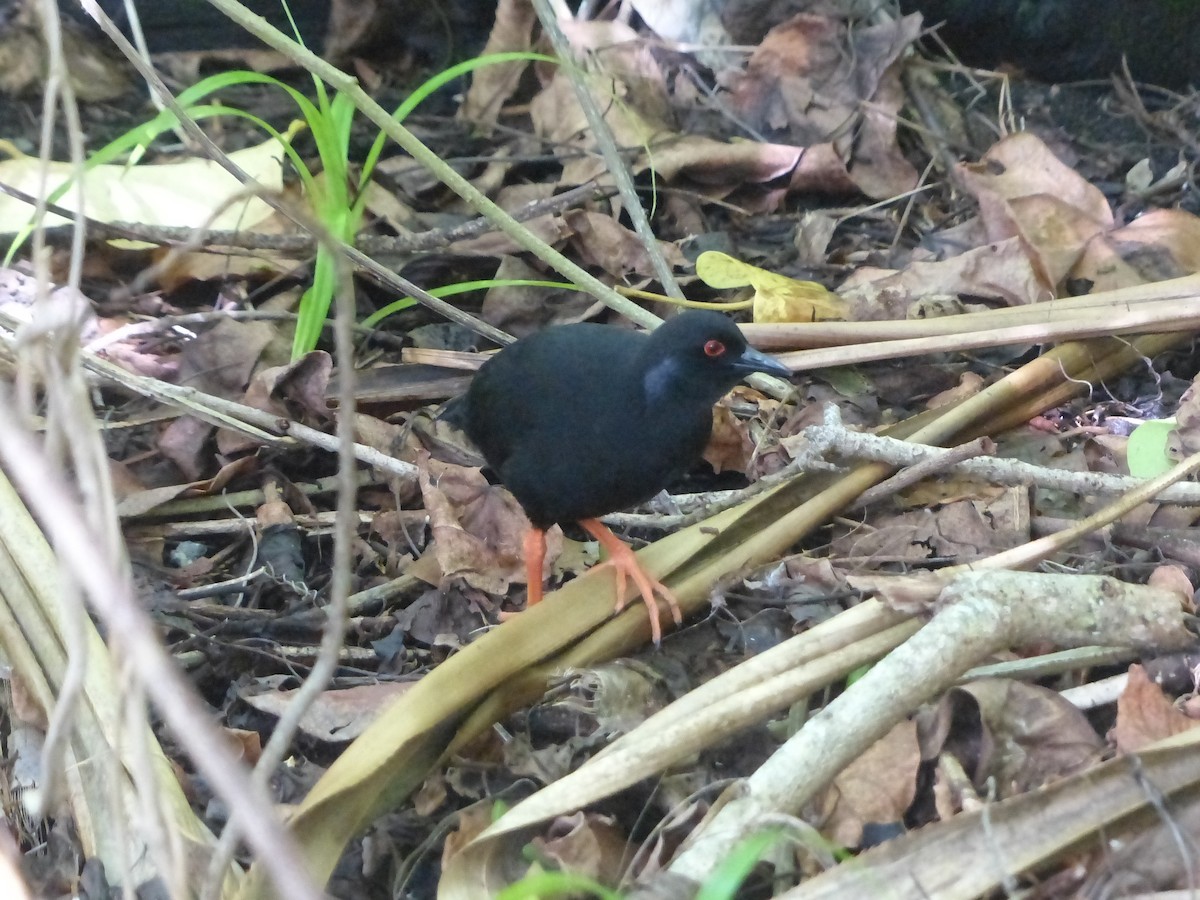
x=753 y=360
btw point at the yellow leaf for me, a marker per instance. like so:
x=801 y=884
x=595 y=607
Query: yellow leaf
x=776 y=297
x=180 y=194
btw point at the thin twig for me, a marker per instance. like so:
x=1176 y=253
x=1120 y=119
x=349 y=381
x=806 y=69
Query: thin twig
x=832 y=439
x=603 y=136
x=305 y=244
x=174 y=698
x=339 y=588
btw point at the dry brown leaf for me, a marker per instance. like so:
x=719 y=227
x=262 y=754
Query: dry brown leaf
x=522 y=310
x=878 y=167
x=799 y=88
x=1184 y=440
x=959 y=530
x=948 y=489
x=1025 y=191
x=1157 y=245
x=478 y=529
x=877 y=788
x=218 y=362
x=718 y=163
x=184 y=442
x=585 y=844
x=1145 y=714
x=548 y=228
x=95 y=73
x=797 y=82
x=969 y=384
x=431 y=795
x=1022 y=736
x=1001 y=270
x=493 y=85
x=247 y=743
x=140 y=502
x=469 y=823
x=617 y=51
x=558 y=118
x=729 y=448
x=295 y=391
x=602 y=241
x=1038 y=736
x=335 y=716
x=1173 y=578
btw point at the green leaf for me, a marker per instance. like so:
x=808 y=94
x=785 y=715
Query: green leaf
x=544 y=885
x=725 y=882
x=1147 y=448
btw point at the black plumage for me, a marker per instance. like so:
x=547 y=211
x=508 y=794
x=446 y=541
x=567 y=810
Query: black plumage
x=582 y=420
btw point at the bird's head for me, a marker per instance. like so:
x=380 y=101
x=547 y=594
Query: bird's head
x=699 y=355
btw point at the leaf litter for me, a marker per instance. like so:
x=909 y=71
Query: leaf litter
x=804 y=175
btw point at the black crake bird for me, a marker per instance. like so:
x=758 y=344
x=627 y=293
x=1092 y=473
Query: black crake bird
x=582 y=420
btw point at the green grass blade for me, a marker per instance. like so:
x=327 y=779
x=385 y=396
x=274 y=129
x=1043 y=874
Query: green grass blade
x=450 y=290
x=727 y=879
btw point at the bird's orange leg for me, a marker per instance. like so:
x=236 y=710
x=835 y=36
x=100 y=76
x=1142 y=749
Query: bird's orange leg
x=621 y=558
x=535 y=558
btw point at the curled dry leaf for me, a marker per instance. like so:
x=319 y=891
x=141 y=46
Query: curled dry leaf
x=1025 y=191
x=877 y=788
x=478 y=528
x=729 y=448
x=1157 y=245
x=585 y=844
x=1174 y=578
x=335 y=716
x=1145 y=714
x=491 y=86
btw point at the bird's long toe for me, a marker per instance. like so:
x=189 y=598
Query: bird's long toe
x=624 y=564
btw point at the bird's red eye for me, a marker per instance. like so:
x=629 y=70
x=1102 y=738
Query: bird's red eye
x=713 y=349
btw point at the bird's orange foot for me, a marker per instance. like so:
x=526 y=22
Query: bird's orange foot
x=535 y=557
x=622 y=560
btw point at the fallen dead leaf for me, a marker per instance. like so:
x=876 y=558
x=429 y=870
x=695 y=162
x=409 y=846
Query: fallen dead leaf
x=729 y=447
x=959 y=530
x=1001 y=270
x=1024 y=191
x=808 y=82
x=603 y=242
x=478 y=529
x=1157 y=245
x=877 y=788
x=1145 y=714
x=586 y=844
x=335 y=716
x=492 y=86
x=186 y=194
